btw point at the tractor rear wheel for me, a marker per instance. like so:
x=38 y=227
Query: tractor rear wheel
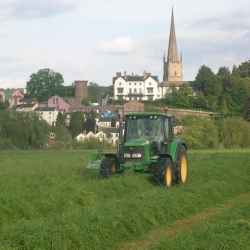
x=164 y=173
x=182 y=166
x=108 y=167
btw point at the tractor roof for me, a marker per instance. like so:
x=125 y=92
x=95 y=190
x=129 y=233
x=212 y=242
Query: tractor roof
x=143 y=114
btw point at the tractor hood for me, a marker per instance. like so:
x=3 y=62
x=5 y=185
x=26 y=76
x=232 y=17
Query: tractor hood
x=136 y=143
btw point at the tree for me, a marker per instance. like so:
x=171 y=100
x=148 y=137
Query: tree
x=60 y=120
x=247 y=110
x=76 y=123
x=96 y=92
x=224 y=75
x=90 y=123
x=22 y=130
x=244 y=69
x=4 y=105
x=207 y=82
x=44 y=84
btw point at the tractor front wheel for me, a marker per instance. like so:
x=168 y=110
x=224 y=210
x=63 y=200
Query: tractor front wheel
x=182 y=166
x=164 y=173
x=108 y=167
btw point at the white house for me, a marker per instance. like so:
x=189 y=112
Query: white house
x=48 y=114
x=144 y=87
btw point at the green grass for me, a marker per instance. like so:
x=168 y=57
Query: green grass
x=49 y=200
x=231 y=230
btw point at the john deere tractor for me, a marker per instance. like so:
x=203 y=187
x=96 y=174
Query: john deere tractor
x=148 y=145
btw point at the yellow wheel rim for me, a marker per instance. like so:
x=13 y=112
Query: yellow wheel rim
x=184 y=169
x=168 y=177
x=113 y=168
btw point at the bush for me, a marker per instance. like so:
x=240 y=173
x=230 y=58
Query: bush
x=200 y=133
x=22 y=131
x=235 y=132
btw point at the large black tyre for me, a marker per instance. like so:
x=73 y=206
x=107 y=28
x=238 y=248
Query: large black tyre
x=108 y=167
x=182 y=167
x=164 y=172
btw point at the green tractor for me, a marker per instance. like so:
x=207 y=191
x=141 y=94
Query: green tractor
x=148 y=145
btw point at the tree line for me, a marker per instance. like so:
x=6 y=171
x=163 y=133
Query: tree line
x=226 y=91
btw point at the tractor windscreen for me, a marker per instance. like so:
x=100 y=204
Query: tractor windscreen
x=149 y=128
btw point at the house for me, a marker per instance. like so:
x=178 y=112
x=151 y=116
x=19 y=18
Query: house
x=59 y=103
x=27 y=107
x=107 y=119
x=48 y=114
x=16 y=97
x=136 y=87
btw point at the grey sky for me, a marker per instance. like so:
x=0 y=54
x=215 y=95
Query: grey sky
x=92 y=39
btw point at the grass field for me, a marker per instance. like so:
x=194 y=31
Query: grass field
x=49 y=200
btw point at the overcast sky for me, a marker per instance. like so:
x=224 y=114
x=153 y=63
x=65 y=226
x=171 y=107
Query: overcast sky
x=93 y=39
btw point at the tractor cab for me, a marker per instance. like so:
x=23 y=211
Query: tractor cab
x=146 y=135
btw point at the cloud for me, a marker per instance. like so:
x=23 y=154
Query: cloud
x=31 y=9
x=119 y=45
x=230 y=22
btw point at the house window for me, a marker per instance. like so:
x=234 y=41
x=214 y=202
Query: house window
x=150 y=90
x=54 y=100
x=120 y=90
x=130 y=91
x=135 y=91
x=149 y=83
x=135 y=83
x=130 y=84
x=120 y=84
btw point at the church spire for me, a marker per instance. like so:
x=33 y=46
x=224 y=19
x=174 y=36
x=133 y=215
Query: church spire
x=172 y=46
x=173 y=71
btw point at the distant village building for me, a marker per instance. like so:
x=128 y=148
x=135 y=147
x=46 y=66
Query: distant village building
x=30 y=107
x=172 y=64
x=48 y=114
x=59 y=103
x=81 y=90
x=136 y=87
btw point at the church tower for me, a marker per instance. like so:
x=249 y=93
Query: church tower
x=173 y=71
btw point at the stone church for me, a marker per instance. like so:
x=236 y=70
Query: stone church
x=172 y=64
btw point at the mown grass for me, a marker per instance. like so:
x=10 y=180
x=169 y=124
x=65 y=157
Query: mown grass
x=230 y=230
x=49 y=200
